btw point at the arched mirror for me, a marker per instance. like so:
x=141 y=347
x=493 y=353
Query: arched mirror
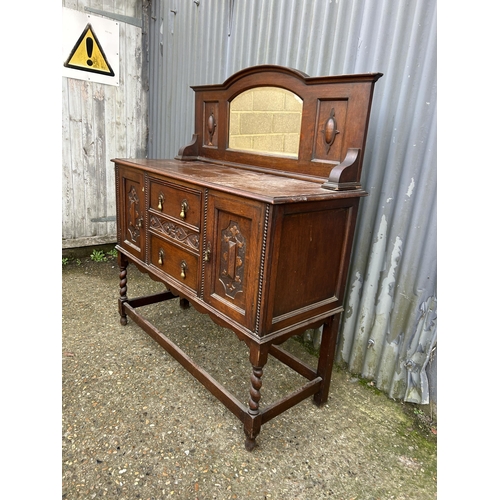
x=266 y=120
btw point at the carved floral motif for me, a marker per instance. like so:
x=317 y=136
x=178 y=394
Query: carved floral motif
x=233 y=247
x=134 y=218
x=176 y=232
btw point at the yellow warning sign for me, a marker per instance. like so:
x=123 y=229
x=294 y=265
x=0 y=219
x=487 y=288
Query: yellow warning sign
x=87 y=54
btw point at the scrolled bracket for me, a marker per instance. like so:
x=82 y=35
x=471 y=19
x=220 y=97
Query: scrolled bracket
x=341 y=175
x=189 y=151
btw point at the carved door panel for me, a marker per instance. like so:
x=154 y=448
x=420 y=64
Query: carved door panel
x=131 y=213
x=232 y=257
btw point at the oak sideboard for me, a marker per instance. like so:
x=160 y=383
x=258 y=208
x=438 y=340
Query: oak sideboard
x=253 y=221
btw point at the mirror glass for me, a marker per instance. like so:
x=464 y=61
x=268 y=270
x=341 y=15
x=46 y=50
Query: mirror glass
x=266 y=120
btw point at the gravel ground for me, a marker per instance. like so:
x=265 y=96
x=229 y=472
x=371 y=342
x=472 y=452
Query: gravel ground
x=136 y=425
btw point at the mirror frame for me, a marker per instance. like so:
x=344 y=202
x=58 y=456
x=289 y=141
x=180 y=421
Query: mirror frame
x=333 y=132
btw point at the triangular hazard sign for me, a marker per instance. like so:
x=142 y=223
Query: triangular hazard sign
x=87 y=54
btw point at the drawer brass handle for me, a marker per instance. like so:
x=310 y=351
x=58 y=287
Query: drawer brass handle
x=161 y=199
x=184 y=209
x=160 y=257
x=183 y=269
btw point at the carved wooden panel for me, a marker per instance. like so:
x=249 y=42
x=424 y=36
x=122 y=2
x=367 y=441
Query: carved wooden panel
x=134 y=215
x=179 y=233
x=234 y=232
x=132 y=221
x=210 y=124
x=232 y=264
x=330 y=129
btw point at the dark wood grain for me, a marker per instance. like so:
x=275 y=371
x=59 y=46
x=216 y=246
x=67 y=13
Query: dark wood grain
x=261 y=243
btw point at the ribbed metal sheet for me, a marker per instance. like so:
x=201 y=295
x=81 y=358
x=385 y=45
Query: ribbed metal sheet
x=389 y=326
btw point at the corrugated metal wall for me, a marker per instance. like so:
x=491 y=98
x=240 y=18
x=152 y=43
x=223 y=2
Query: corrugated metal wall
x=101 y=122
x=389 y=327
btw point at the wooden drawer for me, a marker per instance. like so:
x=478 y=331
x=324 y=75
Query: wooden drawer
x=174 y=261
x=178 y=202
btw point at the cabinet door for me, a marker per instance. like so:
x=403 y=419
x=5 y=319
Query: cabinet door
x=130 y=211
x=234 y=240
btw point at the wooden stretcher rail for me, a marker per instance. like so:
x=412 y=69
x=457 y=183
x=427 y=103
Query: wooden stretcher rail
x=294 y=363
x=218 y=390
x=292 y=399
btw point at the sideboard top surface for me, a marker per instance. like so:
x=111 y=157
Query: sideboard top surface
x=274 y=189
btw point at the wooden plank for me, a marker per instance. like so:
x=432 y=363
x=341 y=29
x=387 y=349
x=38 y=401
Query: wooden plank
x=87 y=158
x=67 y=179
x=89 y=242
x=110 y=130
x=101 y=187
x=75 y=88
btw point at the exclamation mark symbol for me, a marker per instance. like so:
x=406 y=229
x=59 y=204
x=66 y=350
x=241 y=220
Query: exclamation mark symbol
x=90 y=47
